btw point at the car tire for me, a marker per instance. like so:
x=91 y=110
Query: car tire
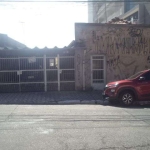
x=127 y=98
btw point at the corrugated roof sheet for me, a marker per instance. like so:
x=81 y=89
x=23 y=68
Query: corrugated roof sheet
x=76 y=44
x=8 y=43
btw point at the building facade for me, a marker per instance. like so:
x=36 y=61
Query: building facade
x=136 y=12
x=101 y=53
x=111 y=53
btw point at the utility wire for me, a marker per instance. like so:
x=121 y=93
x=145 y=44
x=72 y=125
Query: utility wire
x=75 y=1
x=85 y=4
x=117 y=5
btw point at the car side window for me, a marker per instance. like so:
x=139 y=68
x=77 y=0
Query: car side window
x=147 y=76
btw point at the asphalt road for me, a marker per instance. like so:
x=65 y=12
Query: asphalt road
x=74 y=127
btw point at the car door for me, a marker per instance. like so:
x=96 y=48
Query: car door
x=143 y=86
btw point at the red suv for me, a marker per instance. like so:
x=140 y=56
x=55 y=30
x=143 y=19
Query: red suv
x=135 y=88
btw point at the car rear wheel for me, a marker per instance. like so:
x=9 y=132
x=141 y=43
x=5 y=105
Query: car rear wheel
x=126 y=98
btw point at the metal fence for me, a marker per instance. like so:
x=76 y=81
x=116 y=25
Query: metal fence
x=25 y=74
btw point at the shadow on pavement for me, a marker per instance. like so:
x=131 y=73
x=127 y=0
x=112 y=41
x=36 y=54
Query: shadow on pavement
x=61 y=98
x=45 y=98
x=134 y=106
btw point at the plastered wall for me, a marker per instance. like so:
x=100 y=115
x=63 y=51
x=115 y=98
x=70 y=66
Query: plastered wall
x=126 y=48
x=79 y=69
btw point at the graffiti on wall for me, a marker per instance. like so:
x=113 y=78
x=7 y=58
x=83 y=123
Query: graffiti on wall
x=121 y=67
x=112 y=31
x=135 y=32
x=148 y=59
x=113 y=62
x=127 y=50
x=121 y=45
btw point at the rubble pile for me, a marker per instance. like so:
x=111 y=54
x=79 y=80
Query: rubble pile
x=117 y=20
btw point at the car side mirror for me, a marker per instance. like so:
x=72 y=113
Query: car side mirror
x=142 y=79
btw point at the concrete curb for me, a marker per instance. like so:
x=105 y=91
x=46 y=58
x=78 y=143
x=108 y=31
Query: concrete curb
x=88 y=102
x=101 y=102
x=69 y=102
x=51 y=98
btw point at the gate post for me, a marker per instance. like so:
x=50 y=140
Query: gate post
x=45 y=74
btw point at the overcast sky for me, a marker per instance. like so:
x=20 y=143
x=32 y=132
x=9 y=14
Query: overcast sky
x=41 y=24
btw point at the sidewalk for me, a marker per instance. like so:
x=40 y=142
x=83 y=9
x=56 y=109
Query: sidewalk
x=63 y=97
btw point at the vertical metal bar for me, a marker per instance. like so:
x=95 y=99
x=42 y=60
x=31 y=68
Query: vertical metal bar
x=71 y=64
x=19 y=75
x=11 y=74
x=21 y=63
x=25 y=64
x=91 y=71
x=7 y=63
x=3 y=79
x=8 y=79
x=13 y=61
x=7 y=76
x=83 y=70
x=58 y=72
x=3 y=61
x=30 y=65
x=64 y=75
x=45 y=73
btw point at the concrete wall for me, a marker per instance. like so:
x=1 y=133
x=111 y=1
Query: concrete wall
x=79 y=69
x=127 y=49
